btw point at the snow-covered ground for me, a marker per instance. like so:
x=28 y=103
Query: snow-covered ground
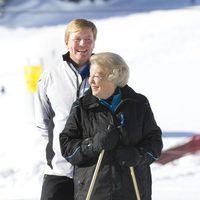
x=160 y=42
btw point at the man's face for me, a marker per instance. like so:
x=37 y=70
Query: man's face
x=81 y=45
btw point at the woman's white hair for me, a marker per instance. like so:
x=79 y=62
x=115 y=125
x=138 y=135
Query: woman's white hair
x=114 y=65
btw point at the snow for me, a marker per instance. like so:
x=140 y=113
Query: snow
x=159 y=40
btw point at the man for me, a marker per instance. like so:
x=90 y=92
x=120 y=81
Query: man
x=57 y=89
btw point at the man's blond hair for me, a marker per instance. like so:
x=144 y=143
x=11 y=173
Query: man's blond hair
x=77 y=25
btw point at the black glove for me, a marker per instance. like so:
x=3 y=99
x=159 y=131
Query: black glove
x=107 y=139
x=128 y=156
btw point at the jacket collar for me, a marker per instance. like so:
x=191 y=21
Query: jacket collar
x=67 y=58
x=90 y=101
x=113 y=102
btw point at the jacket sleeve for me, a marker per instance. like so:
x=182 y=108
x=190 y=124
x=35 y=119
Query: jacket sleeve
x=42 y=107
x=151 y=144
x=74 y=148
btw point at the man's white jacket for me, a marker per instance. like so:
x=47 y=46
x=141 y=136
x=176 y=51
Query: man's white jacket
x=58 y=87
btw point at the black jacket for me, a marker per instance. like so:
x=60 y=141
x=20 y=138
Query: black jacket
x=88 y=117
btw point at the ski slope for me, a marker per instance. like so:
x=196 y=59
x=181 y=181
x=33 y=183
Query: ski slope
x=160 y=42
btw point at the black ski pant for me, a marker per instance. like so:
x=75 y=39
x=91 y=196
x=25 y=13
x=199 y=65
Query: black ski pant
x=57 y=188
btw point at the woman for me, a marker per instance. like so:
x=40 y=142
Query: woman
x=114 y=118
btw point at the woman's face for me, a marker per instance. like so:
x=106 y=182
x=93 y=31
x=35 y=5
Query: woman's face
x=100 y=85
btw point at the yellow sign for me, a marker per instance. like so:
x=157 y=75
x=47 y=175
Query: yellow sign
x=32 y=74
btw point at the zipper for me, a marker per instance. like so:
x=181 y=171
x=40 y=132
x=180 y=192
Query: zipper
x=77 y=81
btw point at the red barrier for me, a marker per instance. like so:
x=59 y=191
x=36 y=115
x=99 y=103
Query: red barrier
x=190 y=147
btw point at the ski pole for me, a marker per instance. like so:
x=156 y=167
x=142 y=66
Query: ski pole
x=95 y=175
x=135 y=183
